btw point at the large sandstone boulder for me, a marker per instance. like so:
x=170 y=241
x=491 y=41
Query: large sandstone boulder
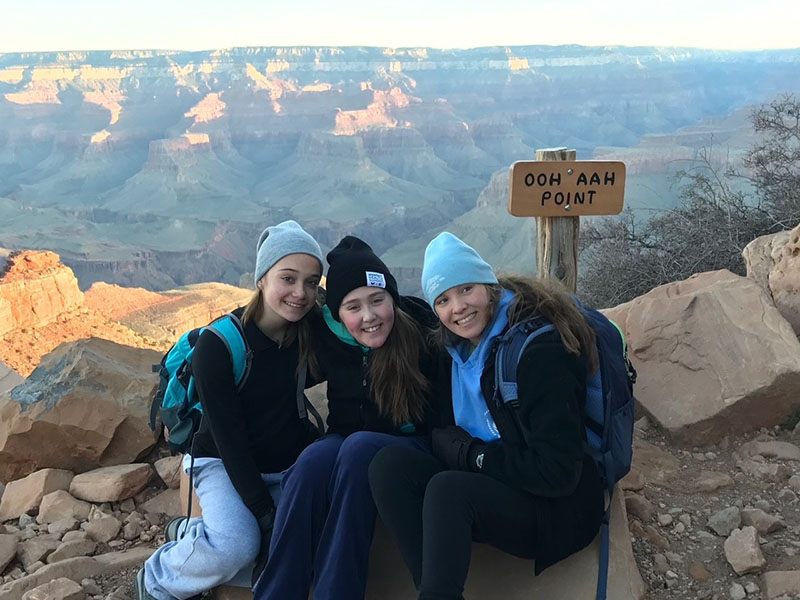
x=85 y=406
x=784 y=280
x=714 y=357
x=760 y=256
x=773 y=261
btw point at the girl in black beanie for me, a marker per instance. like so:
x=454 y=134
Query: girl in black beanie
x=370 y=347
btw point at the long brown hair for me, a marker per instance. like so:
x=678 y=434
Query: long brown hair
x=300 y=330
x=398 y=387
x=539 y=297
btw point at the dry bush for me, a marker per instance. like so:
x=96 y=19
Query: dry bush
x=624 y=257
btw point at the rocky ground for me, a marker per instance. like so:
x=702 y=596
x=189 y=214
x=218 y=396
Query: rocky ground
x=695 y=516
x=687 y=505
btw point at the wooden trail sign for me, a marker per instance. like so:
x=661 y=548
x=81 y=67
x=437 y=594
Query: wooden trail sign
x=566 y=188
x=557 y=190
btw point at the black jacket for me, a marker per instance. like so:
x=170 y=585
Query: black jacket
x=346 y=368
x=541 y=447
x=255 y=430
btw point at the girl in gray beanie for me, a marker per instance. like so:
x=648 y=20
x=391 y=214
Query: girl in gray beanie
x=250 y=433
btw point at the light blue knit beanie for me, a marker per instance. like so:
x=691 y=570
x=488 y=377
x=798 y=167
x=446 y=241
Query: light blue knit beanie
x=282 y=240
x=450 y=262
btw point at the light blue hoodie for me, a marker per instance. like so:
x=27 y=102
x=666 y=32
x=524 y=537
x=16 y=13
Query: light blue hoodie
x=469 y=407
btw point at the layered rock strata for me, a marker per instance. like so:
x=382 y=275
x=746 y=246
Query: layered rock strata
x=35 y=290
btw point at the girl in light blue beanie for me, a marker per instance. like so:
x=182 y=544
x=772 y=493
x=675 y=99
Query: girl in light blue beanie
x=499 y=473
x=450 y=262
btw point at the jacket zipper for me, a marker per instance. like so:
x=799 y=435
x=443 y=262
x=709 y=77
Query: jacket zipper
x=364 y=397
x=364 y=371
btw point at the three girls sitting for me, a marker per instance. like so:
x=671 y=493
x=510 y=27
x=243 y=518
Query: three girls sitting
x=447 y=466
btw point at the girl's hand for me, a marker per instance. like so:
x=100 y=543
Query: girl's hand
x=455 y=447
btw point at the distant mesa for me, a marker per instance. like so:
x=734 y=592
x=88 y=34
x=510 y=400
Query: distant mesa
x=211 y=107
x=377 y=114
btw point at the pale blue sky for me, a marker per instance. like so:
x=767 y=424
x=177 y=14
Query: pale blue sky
x=40 y=25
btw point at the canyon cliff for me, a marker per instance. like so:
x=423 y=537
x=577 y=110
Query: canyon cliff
x=159 y=169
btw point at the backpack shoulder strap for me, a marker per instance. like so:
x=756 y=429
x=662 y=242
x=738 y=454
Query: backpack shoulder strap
x=229 y=329
x=301 y=390
x=304 y=405
x=631 y=370
x=510 y=347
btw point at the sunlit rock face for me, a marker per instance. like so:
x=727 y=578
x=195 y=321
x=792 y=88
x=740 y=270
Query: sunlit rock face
x=35 y=290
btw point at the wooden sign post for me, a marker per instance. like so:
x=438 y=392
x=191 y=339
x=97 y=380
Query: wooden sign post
x=557 y=190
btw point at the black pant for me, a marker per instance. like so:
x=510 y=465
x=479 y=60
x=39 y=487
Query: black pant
x=434 y=514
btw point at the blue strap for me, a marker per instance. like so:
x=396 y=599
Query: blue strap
x=602 y=567
x=229 y=329
x=508 y=355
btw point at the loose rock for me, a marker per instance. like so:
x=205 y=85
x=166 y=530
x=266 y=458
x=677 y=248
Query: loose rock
x=58 y=589
x=743 y=552
x=725 y=521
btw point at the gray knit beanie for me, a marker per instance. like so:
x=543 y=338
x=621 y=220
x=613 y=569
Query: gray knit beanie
x=282 y=240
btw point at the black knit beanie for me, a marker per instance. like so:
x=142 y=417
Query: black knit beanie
x=352 y=264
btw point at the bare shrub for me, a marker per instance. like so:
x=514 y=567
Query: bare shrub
x=624 y=257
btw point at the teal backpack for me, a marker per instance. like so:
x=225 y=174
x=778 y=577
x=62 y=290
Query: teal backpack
x=176 y=401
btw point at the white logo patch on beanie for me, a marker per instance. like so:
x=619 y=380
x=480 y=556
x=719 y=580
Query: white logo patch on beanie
x=375 y=279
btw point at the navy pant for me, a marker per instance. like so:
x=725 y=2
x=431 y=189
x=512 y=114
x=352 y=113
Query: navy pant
x=325 y=520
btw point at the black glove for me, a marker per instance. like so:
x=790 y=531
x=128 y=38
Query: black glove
x=456 y=448
x=265 y=525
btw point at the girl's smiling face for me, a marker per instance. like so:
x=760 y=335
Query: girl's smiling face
x=289 y=288
x=368 y=315
x=465 y=310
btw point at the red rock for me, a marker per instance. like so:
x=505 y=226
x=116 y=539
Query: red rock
x=699 y=572
x=35 y=290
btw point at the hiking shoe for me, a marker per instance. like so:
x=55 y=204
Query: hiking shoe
x=140 y=592
x=173 y=528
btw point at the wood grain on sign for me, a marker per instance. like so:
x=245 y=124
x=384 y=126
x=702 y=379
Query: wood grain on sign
x=566 y=188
